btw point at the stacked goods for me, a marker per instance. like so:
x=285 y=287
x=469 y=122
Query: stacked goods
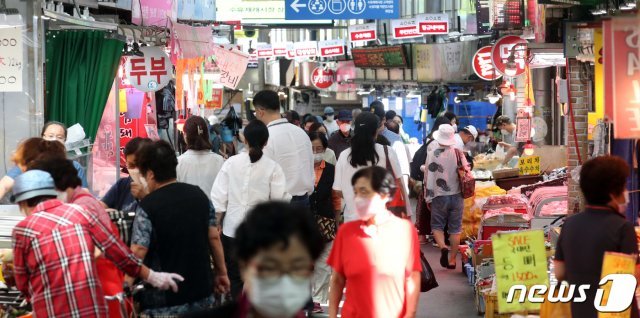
x=473 y=208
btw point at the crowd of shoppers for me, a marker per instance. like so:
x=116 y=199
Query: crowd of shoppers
x=300 y=213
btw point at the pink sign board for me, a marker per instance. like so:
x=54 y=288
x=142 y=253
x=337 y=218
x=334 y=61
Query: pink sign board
x=232 y=63
x=152 y=12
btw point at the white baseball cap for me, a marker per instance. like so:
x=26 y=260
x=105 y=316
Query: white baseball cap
x=445 y=135
x=472 y=131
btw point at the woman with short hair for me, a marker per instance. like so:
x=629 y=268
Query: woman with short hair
x=377 y=257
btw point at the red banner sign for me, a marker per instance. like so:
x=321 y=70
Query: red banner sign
x=624 y=68
x=405 y=28
x=435 y=24
x=363 y=32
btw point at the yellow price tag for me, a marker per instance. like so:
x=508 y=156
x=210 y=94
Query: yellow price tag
x=529 y=166
x=520 y=259
x=615 y=263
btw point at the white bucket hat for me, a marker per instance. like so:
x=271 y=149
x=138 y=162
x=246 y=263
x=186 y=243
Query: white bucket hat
x=445 y=135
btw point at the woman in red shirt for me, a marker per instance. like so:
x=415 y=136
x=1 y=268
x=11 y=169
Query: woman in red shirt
x=376 y=258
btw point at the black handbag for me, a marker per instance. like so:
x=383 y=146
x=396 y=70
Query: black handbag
x=427 y=278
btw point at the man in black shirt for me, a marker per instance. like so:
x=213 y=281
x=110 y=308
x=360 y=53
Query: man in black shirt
x=176 y=229
x=341 y=139
x=602 y=227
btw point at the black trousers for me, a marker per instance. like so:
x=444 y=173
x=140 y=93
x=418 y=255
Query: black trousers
x=233 y=270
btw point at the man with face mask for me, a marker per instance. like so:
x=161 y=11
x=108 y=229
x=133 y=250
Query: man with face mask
x=601 y=227
x=341 y=139
x=330 y=122
x=176 y=230
x=508 y=131
x=56 y=241
x=466 y=135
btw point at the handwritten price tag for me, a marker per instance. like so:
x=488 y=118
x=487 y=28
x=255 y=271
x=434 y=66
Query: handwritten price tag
x=232 y=64
x=11 y=59
x=529 y=166
x=520 y=259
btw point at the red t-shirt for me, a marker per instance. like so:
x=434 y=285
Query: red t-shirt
x=376 y=267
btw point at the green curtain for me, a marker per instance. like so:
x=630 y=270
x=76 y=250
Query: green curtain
x=80 y=68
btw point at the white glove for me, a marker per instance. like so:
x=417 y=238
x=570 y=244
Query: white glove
x=164 y=281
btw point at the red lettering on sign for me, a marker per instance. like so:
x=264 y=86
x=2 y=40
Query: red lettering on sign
x=138 y=68
x=409 y=31
x=363 y=35
x=157 y=68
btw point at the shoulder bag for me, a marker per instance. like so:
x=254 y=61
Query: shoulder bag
x=397 y=205
x=467 y=182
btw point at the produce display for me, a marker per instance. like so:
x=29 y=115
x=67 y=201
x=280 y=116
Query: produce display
x=487 y=161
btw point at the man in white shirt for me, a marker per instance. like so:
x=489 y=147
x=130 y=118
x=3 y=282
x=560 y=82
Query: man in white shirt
x=465 y=136
x=288 y=145
x=330 y=123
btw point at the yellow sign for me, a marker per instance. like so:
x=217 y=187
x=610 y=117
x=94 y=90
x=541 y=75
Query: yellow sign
x=616 y=263
x=599 y=82
x=122 y=96
x=520 y=259
x=529 y=166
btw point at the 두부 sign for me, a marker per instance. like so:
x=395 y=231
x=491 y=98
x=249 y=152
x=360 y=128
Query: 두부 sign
x=11 y=59
x=623 y=67
x=151 y=72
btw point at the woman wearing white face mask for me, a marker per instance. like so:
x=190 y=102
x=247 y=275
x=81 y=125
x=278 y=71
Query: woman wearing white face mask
x=326 y=206
x=601 y=227
x=376 y=258
x=277 y=246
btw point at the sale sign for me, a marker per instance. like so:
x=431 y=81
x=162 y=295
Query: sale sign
x=216 y=99
x=624 y=66
x=306 y=49
x=503 y=49
x=363 y=32
x=151 y=72
x=434 y=24
x=405 y=28
x=264 y=50
x=331 y=48
x=483 y=66
x=280 y=49
x=322 y=78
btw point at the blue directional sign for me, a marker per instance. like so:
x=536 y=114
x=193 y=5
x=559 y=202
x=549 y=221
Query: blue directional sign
x=341 y=9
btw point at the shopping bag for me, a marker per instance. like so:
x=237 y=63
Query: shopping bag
x=467 y=182
x=427 y=278
x=397 y=205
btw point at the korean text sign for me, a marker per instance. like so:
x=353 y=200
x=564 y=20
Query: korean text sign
x=520 y=259
x=11 y=59
x=624 y=65
x=529 y=166
x=232 y=63
x=616 y=263
x=151 y=72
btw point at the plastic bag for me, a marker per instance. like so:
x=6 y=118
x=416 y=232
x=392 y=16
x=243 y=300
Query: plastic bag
x=427 y=278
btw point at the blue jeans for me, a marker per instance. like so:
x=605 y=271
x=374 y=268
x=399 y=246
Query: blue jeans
x=447 y=209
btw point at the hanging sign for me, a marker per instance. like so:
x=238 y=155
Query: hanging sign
x=11 y=59
x=306 y=49
x=520 y=259
x=232 y=63
x=405 y=28
x=523 y=129
x=380 y=57
x=151 y=72
x=341 y=9
x=280 y=49
x=331 y=48
x=529 y=166
x=624 y=69
x=483 y=66
x=216 y=99
x=152 y=12
x=434 y=24
x=322 y=78
x=363 y=32
x=502 y=50
x=264 y=50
